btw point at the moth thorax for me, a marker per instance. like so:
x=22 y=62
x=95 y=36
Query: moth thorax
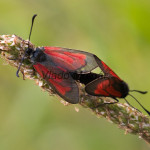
x=38 y=55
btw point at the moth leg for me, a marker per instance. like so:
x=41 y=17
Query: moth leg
x=116 y=101
x=131 y=105
x=23 y=76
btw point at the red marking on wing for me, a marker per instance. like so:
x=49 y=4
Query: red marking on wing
x=100 y=88
x=107 y=71
x=52 y=48
x=106 y=88
x=113 y=92
x=77 y=56
x=62 y=57
x=62 y=90
x=103 y=87
x=39 y=68
x=54 y=80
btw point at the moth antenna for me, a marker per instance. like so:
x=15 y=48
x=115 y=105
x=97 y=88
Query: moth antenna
x=130 y=104
x=17 y=73
x=140 y=104
x=32 y=25
x=142 y=92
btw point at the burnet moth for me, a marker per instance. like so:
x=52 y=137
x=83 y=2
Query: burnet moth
x=62 y=67
x=108 y=85
x=55 y=64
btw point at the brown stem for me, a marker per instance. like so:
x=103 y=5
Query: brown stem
x=132 y=121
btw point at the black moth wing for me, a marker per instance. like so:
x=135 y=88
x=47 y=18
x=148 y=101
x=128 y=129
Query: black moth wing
x=71 y=60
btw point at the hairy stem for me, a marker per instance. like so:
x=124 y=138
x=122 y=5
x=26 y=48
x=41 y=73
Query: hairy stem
x=132 y=121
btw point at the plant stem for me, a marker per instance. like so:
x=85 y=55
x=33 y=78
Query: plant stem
x=131 y=120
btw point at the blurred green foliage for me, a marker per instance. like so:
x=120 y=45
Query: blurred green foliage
x=116 y=31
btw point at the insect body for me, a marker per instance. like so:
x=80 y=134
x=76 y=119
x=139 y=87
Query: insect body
x=55 y=64
x=107 y=85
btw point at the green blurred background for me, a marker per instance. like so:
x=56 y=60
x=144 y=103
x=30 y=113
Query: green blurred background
x=116 y=31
